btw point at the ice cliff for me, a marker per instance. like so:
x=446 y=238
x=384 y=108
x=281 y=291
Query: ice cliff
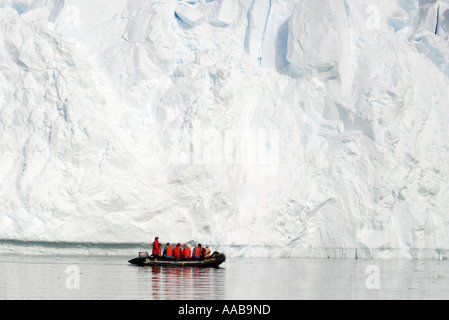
x=261 y=127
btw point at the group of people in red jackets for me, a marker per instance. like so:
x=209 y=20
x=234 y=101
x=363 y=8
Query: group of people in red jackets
x=178 y=252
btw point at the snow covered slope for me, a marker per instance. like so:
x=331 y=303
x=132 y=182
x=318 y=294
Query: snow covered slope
x=262 y=127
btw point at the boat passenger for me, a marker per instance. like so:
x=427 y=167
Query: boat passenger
x=207 y=252
x=197 y=251
x=203 y=252
x=168 y=251
x=187 y=253
x=177 y=251
x=156 y=247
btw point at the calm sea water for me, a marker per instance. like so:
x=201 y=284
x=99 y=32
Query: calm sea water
x=93 y=277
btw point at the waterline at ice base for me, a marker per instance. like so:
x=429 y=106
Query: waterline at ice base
x=267 y=128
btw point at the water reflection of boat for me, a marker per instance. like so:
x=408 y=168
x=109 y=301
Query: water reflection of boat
x=144 y=259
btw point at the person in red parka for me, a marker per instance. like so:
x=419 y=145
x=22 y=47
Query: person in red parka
x=168 y=251
x=177 y=251
x=187 y=253
x=197 y=251
x=156 y=247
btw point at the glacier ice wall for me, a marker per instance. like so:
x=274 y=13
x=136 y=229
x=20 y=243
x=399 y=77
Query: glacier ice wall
x=264 y=128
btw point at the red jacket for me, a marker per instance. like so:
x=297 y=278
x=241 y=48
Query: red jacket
x=197 y=252
x=169 y=251
x=177 y=252
x=187 y=253
x=156 y=247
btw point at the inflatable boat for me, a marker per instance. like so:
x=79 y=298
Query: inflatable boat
x=144 y=259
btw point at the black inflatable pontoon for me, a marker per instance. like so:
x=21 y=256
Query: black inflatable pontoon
x=144 y=259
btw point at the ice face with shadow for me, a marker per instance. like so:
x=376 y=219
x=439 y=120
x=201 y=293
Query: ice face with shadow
x=288 y=128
